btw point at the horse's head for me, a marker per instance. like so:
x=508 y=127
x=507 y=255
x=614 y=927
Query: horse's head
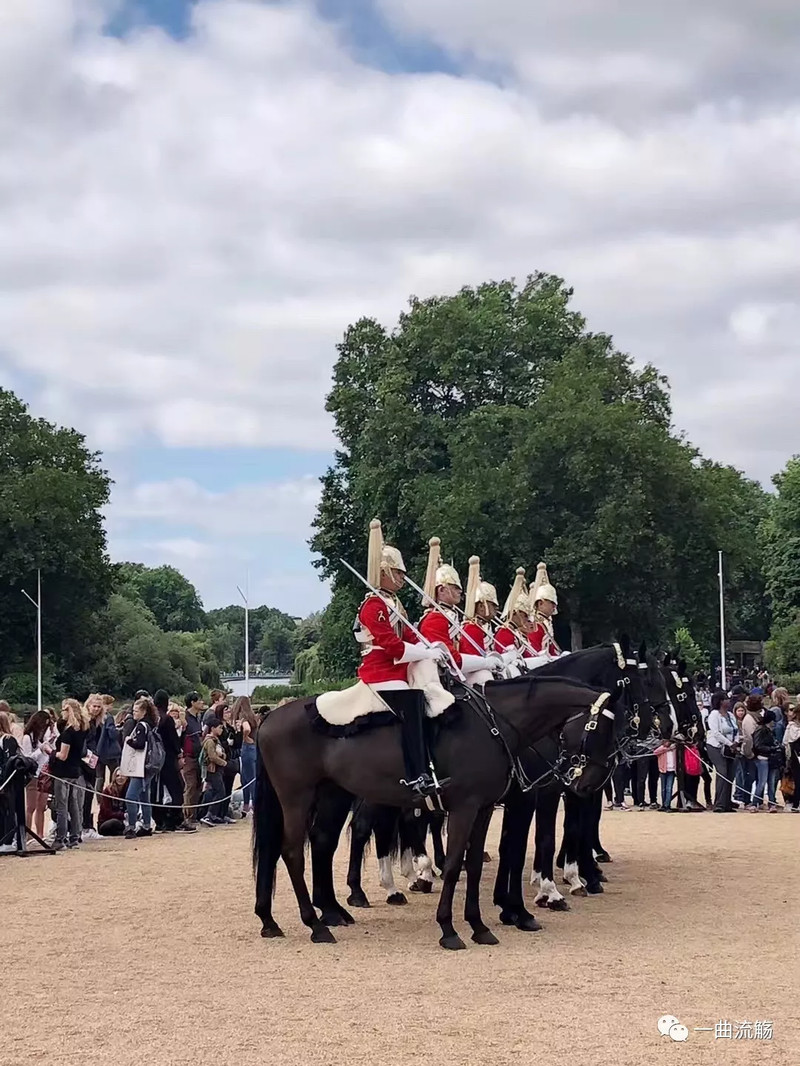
x=590 y=744
x=682 y=696
x=657 y=719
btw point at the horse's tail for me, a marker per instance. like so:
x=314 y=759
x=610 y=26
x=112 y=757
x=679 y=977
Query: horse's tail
x=267 y=828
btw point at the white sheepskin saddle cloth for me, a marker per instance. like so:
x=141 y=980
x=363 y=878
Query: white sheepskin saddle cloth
x=343 y=708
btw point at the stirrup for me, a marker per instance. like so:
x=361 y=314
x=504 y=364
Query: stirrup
x=423 y=786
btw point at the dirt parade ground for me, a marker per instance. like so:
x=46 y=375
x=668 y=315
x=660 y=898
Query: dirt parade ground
x=148 y=952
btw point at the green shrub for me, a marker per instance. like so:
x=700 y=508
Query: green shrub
x=276 y=693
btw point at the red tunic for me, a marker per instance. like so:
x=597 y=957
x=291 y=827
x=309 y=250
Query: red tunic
x=506 y=638
x=385 y=646
x=435 y=627
x=541 y=641
x=478 y=635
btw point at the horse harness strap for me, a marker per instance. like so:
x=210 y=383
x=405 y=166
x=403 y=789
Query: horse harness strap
x=487 y=715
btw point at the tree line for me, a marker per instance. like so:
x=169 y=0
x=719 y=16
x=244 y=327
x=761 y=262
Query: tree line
x=105 y=627
x=494 y=419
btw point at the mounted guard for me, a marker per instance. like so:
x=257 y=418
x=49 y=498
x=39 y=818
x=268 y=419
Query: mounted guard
x=388 y=647
x=480 y=608
x=440 y=623
x=511 y=639
x=544 y=599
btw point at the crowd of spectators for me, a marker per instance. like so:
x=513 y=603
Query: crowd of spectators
x=155 y=766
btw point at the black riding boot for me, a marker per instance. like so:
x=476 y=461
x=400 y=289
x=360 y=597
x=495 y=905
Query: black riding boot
x=415 y=751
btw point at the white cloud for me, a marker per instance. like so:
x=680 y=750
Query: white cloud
x=189 y=226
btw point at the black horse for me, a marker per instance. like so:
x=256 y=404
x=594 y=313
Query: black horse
x=611 y=667
x=295 y=760
x=690 y=727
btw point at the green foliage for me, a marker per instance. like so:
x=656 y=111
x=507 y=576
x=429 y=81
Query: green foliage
x=781 y=544
x=168 y=595
x=52 y=489
x=275 y=693
x=492 y=419
x=308 y=666
x=696 y=658
x=20 y=687
x=782 y=650
x=270 y=638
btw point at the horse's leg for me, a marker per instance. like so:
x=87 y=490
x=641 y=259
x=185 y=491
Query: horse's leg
x=474 y=862
x=513 y=801
x=386 y=843
x=415 y=863
x=436 y=820
x=561 y=857
x=599 y=852
x=295 y=815
x=459 y=829
x=569 y=845
x=514 y=911
x=333 y=806
x=587 y=867
x=360 y=831
x=546 y=814
x=268 y=830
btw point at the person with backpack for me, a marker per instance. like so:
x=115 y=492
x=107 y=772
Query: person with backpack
x=142 y=759
x=171 y=784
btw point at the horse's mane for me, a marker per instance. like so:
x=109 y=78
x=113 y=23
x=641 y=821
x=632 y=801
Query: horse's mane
x=544 y=679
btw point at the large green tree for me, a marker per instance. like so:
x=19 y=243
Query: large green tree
x=781 y=542
x=52 y=489
x=172 y=598
x=493 y=419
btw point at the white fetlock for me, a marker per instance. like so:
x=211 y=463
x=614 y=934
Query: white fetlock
x=536 y=878
x=572 y=877
x=424 y=870
x=386 y=875
x=549 y=893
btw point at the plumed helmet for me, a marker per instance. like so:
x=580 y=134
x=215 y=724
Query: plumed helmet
x=438 y=573
x=381 y=557
x=542 y=589
x=518 y=596
x=487 y=594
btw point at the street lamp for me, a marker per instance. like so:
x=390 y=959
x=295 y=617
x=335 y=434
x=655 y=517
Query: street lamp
x=37 y=603
x=724 y=677
x=246 y=639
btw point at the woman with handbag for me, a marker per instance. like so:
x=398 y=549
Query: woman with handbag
x=791 y=747
x=769 y=760
x=65 y=769
x=133 y=766
x=722 y=750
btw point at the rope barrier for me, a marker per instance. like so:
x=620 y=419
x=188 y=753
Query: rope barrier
x=161 y=806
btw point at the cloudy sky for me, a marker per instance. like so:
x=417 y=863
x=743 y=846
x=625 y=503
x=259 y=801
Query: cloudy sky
x=197 y=198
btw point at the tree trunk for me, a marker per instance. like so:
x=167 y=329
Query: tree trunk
x=576 y=635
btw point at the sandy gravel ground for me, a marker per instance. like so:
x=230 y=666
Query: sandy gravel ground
x=154 y=957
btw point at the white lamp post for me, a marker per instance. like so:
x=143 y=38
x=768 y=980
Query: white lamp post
x=246 y=639
x=37 y=603
x=722 y=626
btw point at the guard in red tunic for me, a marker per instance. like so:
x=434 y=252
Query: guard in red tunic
x=480 y=608
x=511 y=639
x=387 y=647
x=545 y=605
x=441 y=625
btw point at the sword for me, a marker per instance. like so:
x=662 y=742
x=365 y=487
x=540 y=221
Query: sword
x=400 y=617
x=439 y=608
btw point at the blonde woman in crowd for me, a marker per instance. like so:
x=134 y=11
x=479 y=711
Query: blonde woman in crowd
x=65 y=769
x=92 y=781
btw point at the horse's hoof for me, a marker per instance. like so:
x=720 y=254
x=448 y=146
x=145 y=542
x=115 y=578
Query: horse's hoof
x=579 y=891
x=557 y=905
x=485 y=937
x=526 y=923
x=508 y=918
x=541 y=902
x=397 y=899
x=271 y=932
x=487 y=857
x=601 y=877
x=357 y=900
x=603 y=856
x=595 y=888
x=452 y=943
x=336 y=918
x=421 y=886
x=321 y=934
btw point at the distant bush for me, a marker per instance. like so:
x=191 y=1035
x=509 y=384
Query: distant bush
x=276 y=693
x=791 y=682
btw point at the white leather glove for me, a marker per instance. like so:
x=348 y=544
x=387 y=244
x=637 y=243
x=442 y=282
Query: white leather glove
x=494 y=662
x=418 y=653
x=470 y=664
x=510 y=656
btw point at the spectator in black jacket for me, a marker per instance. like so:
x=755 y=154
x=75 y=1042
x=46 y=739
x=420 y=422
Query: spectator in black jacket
x=169 y=817
x=769 y=761
x=191 y=742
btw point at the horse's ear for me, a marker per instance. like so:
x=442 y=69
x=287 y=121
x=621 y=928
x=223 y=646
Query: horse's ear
x=643 y=652
x=625 y=645
x=682 y=667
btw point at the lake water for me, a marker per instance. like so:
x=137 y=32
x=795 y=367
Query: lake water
x=240 y=688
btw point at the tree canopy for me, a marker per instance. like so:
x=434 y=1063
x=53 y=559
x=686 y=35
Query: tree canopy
x=495 y=420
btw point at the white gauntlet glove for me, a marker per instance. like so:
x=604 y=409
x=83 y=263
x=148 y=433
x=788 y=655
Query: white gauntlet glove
x=470 y=664
x=510 y=656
